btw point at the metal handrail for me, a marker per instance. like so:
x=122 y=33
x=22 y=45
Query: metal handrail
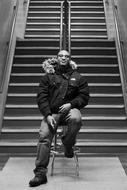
x=27 y=8
x=69 y=29
x=61 y=26
x=9 y=61
x=10 y=41
x=120 y=53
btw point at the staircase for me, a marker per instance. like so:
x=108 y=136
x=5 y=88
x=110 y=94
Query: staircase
x=43 y=21
x=104 y=127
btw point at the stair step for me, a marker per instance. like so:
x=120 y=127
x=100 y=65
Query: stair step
x=88 y=106
x=90 y=84
x=90 y=77
x=83 y=118
x=58 y=29
x=91 y=95
x=42 y=36
x=38 y=43
x=72 y=24
x=114 y=109
x=84 y=129
x=79 y=50
x=87 y=146
x=12 y=133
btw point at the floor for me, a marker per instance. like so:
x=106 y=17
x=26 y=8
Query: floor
x=96 y=172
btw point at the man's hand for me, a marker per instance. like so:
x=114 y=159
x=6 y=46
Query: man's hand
x=65 y=108
x=51 y=121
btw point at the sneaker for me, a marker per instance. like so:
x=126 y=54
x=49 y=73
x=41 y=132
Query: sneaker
x=68 y=152
x=36 y=181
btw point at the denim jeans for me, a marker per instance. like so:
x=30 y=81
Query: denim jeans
x=46 y=135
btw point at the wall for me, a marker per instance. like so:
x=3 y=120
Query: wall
x=122 y=11
x=6 y=12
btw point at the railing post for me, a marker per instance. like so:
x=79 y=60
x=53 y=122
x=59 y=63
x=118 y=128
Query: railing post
x=120 y=53
x=65 y=25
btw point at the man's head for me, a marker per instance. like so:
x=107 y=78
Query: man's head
x=63 y=58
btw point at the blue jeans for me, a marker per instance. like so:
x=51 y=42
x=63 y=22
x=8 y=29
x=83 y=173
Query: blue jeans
x=46 y=135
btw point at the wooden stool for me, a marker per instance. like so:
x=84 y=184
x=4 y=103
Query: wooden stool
x=57 y=150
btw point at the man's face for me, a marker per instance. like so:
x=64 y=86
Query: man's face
x=63 y=57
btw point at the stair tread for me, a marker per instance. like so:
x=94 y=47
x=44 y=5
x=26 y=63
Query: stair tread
x=83 y=74
x=73 y=12
x=72 y=6
x=101 y=117
x=73 y=56
x=72 y=30
x=91 y=94
x=71 y=1
x=79 y=65
x=73 y=40
x=85 y=142
x=72 y=17
x=88 y=106
x=90 y=84
x=57 y=23
x=82 y=130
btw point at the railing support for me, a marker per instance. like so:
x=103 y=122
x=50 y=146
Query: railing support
x=119 y=48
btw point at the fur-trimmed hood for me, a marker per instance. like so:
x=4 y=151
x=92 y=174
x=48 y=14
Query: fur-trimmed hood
x=50 y=64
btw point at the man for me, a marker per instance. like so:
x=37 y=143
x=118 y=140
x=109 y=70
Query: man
x=62 y=93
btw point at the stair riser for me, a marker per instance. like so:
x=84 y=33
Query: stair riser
x=86 y=20
x=84 y=69
x=46 y=26
x=86 y=149
x=85 y=3
x=47 y=37
x=44 y=14
x=44 y=20
x=91 y=43
x=36 y=51
x=57 y=26
x=88 y=26
x=57 y=13
x=87 y=14
x=86 y=111
x=90 y=79
x=39 y=51
x=43 y=33
x=81 y=8
x=93 y=100
x=40 y=43
x=81 y=136
x=98 y=123
x=41 y=8
x=94 y=89
x=90 y=60
x=73 y=19
x=99 y=51
x=41 y=3
x=55 y=43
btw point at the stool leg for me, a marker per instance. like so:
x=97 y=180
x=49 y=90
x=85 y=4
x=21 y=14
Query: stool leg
x=52 y=164
x=76 y=163
x=54 y=153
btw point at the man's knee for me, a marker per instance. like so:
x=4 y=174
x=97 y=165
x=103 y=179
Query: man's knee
x=75 y=115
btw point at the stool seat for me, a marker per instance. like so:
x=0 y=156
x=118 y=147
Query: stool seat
x=58 y=149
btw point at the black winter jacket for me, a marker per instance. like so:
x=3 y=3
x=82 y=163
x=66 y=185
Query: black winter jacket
x=57 y=89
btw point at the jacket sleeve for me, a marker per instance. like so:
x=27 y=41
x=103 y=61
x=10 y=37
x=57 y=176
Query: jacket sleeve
x=42 y=97
x=82 y=98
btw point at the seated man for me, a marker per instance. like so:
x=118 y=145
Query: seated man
x=62 y=93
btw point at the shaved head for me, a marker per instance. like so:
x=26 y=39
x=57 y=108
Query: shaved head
x=63 y=57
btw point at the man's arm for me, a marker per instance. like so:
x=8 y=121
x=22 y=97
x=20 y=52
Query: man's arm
x=83 y=96
x=42 y=97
